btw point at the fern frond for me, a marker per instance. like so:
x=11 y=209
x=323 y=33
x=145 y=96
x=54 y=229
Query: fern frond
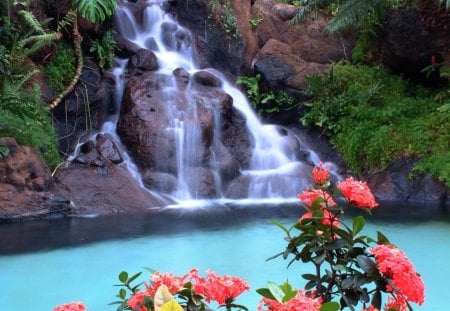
x=67 y=20
x=352 y=12
x=307 y=9
x=32 y=21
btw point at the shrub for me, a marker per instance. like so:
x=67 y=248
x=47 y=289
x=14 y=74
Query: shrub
x=374 y=118
x=60 y=69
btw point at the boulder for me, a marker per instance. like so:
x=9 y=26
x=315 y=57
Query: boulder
x=101 y=190
x=26 y=186
x=142 y=61
x=397 y=183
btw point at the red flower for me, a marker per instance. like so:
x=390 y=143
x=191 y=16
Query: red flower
x=433 y=60
x=397 y=303
x=173 y=283
x=223 y=289
x=328 y=218
x=300 y=302
x=320 y=174
x=73 y=306
x=137 y=300
x=357 y=192
x=308 y=196
x=393 y=264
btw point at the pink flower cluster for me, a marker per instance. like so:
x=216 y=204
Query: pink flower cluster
x=393 y=264
x=222 y=289
x=301 y=302
x=357 y=192
x=320 y=174
x=73 y=306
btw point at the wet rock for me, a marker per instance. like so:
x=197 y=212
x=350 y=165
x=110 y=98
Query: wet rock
x=161 y=182
x=201 y=182
x=205 y=78
x=397 y=184
x=125 y=48
x=144 y=60
x=108 y=149
x=83 y=110
x=104 y=191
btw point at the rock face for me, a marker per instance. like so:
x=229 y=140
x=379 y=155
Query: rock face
x=25 y=186
x=83 y=111
x=98 y=182
x=394 y=184
x=211 y=128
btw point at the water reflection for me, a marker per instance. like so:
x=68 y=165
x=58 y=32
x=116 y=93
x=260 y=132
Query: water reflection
x=52 y=234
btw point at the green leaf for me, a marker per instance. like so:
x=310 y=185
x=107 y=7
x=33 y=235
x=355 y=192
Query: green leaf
x=122 y=293
x=309 y=276
x=123 y=276
x=95 y=10
x=134 y=277
x=319 y=259
x=330 y=306
x=382 y=239
x=358 y=224
x=265 y=292
x=276 y=291
x=281 y=226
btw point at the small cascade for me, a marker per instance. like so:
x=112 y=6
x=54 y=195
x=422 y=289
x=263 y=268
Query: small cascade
x=196 y=136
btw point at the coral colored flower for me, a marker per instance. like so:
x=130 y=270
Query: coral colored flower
x=173 y=283
x=328 y=218
x=73 y=306
x=397 y=303
x=137 y=300
x=320 y=174
x=300 y=302
x=393 y=264
x=222 y=289
x=309 y=195
x=357 y=192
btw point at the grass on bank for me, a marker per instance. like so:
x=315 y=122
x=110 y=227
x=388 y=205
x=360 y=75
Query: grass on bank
x=374 y=118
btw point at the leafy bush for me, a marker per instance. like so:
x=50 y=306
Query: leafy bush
x=375 y=118
x=31 y=125
x=61 y=67
x=265 y=102
x=104 y=49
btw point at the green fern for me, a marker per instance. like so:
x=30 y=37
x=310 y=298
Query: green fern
x=95 y=10
x=354 y=13
x=32 y=21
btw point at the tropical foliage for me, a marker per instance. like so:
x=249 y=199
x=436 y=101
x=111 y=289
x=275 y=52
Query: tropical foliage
x=374 y=118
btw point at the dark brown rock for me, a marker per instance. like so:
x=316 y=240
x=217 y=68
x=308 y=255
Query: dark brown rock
x=104 y=191
x=144 y=60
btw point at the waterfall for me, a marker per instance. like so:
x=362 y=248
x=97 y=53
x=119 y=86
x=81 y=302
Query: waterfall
x=273 y=169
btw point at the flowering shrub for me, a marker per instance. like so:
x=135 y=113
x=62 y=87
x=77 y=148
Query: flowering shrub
x=350 y=270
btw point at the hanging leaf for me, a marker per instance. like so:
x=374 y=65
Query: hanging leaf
x=358 y=224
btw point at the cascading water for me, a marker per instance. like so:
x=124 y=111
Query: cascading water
x=196 y=170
